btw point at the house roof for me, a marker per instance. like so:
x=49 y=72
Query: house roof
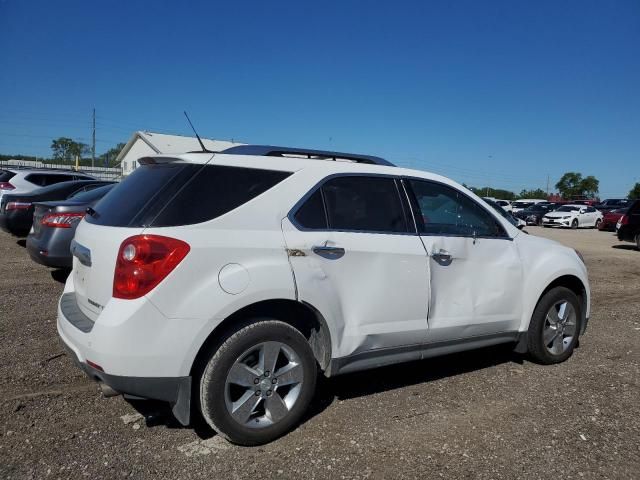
x=163 y=143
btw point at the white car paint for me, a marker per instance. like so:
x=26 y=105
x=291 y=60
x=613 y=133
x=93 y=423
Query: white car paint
x=506 y=204
x=566 y=215
x=387 y=291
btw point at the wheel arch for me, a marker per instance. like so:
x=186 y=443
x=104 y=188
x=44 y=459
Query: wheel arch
x=300 y=315
x=577 y=286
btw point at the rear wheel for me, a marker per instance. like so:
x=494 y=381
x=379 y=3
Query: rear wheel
x=259 y=383
x=638 y=241
x=598 y=222
x=555 y=325
x=574 y=224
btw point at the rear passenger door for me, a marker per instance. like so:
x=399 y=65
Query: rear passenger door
x=356 y=258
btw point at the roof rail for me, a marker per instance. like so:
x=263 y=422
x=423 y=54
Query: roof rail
x=273 y=151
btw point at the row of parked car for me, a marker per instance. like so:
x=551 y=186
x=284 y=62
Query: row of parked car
x=575 y=214
x=46 y=205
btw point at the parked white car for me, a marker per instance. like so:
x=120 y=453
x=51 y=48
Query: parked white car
x=222 y=283
x=506 y=204
x=573 y=216
x=523 y=203
x=18 y=180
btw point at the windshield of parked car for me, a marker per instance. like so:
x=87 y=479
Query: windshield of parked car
x=568 y=208
x=522 y=204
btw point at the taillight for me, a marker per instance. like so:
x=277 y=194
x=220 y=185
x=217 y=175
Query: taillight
x=17 y=206
x=6 y=186
x=61 y=220
x=624 y=220
x=143 y=262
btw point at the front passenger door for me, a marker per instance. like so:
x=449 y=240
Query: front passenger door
x=475 y=269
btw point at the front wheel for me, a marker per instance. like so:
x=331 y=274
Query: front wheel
x=259 y=383
x=555 y=326
x=574 y=224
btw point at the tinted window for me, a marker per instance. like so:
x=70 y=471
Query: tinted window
x=6 y=175
x=591 y=209
x=364 y=203
x=312 y=213
x=181 y=194
x=91 y=195
x=44 y=179
x=214 y=191
x=446 y=211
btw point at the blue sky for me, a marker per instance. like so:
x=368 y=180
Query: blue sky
x=502 y=93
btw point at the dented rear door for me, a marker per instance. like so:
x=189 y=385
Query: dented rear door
x=371 y=287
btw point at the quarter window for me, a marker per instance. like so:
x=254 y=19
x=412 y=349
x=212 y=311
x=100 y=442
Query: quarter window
x=443 y=210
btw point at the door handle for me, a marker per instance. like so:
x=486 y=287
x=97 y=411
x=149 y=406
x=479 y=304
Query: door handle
x=442 y=257
x=330 y=253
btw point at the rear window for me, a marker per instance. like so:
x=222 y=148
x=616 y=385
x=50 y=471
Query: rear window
x=94 y=193
x=44 y=179
x=6 y=175
x=174 y=194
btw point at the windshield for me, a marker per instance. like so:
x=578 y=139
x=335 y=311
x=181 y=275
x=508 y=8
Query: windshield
x=568 y=208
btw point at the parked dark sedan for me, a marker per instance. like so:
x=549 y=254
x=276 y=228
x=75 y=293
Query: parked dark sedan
x=613 y=203
x=533 y=215
x=54 y=225
x=629 y=225
x=16 y=210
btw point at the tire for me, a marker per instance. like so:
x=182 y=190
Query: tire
x=638 y=241
x=598 y=222
x=574 y=224
x=542 y=338
x=259 y=396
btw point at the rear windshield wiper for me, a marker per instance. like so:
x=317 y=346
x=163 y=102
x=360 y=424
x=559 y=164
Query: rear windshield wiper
x=92 y=212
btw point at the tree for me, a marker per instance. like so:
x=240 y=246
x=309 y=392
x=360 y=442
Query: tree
x=65 y=149
x=537 y=193
x=571 y=185
x=493 y=192
x=108 y=157
x=634 y=193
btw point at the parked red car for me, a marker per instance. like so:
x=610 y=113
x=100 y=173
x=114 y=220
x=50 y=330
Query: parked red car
x=611 y=218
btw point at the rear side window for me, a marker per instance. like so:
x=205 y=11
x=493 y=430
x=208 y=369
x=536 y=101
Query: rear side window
x=354 y=203
x=181 y=194
x=43 y=179
x=6 y=175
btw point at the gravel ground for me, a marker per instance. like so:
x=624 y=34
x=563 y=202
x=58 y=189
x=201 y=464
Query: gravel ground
x=484 y=414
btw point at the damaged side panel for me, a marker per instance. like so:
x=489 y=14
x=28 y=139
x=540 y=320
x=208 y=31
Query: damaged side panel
x=373 y=294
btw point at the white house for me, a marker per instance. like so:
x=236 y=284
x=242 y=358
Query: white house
x=142 y=144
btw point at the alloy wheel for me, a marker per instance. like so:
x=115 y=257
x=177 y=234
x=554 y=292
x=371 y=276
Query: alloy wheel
x=263 y=384
x=559 y=327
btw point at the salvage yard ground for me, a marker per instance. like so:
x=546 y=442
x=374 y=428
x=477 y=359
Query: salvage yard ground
x=485 y=414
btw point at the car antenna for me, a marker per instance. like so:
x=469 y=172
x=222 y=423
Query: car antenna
x=204 y=149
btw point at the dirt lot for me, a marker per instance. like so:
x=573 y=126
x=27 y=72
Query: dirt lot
x=485 y=414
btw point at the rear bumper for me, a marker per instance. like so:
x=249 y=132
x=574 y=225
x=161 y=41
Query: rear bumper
x=15 y=222
x=51 y=258
x=174 y=390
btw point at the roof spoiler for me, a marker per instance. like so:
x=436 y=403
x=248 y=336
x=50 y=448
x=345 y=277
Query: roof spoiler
x=273 y=151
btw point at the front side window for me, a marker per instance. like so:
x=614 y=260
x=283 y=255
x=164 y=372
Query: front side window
x=443 y=210
x=354 y=203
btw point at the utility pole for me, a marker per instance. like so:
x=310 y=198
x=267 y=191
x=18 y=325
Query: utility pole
x=93 y=146
x=547 y=186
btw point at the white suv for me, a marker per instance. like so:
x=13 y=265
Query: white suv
x=222 y=283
